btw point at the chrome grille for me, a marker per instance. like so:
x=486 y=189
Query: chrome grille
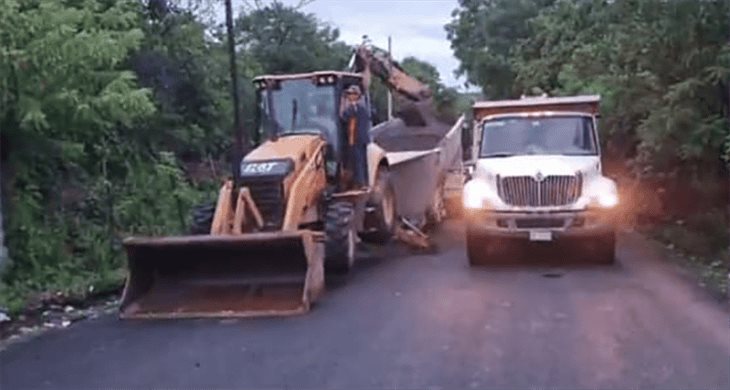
x=550 y=191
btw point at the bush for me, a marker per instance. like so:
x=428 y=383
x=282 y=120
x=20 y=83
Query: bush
x=76 y=252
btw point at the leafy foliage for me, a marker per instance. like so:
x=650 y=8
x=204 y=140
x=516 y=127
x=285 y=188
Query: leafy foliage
x=482 y=35
x=67 y=101
x=286 y=40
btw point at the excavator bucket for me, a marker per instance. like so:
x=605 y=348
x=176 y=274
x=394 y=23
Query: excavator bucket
x=247 y=275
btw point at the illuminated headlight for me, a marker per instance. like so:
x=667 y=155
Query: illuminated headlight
x=331 y=79
x=602 y=194
x=322 y=80
x=475 y=194
x=607 y=200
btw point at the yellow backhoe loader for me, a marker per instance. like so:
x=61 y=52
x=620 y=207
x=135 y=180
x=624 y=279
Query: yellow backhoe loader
x=288 y=215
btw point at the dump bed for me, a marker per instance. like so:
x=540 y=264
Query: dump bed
x=420 y=158
x=584 y=104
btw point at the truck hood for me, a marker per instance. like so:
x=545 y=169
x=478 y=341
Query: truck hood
x=532 y=165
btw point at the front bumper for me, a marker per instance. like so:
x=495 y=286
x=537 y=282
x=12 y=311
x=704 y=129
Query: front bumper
x=560 y=224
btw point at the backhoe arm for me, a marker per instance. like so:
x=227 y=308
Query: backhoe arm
x=371 y=60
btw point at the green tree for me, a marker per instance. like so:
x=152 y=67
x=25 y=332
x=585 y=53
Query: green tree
x=483 y=34
x=67 y=105
x=286 y=40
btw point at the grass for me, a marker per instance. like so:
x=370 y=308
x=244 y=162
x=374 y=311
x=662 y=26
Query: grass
x=702 y=241
x=71 y=254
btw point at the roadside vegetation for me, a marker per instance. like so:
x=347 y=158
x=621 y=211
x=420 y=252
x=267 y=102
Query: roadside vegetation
x=663 y=71
x=116 y=119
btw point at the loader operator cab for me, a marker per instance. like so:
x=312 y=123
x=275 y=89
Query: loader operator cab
x=305 y=104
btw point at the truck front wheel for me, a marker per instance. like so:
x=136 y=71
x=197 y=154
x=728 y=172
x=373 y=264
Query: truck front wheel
x=605 y=246
x=480 y=248
x=339 y=238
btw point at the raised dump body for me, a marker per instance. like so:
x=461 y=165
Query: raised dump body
x=420 y=158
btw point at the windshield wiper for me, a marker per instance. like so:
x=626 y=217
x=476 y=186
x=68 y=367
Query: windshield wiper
x=503 y=154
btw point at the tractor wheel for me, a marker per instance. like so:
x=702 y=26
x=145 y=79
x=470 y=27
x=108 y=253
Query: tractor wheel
x=340 y=241
x=383 y=199
x=202 y=218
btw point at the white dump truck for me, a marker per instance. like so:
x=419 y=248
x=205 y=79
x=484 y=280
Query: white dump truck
x=535 y=175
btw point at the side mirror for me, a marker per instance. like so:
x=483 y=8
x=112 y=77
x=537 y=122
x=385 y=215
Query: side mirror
x=467 y=139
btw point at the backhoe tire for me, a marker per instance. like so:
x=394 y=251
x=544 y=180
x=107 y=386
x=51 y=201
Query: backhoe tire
x=385 y=214
x=340 y=240
x=202 y=218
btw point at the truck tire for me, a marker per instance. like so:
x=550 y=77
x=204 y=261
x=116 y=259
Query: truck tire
x=605 y=246
x=339 y=228
x=202 y=218
x=383 y=199
x=477 y=250
x=454 y=207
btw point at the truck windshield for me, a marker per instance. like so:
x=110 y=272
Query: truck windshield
x=565 y=135
x=298 y=106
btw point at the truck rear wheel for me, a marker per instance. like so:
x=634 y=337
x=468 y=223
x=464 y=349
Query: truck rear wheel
x=340 y=239
x=385 y=214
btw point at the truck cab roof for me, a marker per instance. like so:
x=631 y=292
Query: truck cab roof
x=295 y=76
x=580 y=105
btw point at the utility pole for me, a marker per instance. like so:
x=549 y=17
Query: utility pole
x=3 y=250
x=390 y=94
x=241 y=139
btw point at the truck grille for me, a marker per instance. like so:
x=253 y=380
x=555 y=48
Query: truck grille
x=550 y=191
x=269 y=198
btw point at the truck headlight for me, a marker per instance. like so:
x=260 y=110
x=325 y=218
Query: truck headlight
x=607 y=200
x=476 y=194
x=601 y=194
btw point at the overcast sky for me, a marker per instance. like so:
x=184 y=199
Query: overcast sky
x=416 y=26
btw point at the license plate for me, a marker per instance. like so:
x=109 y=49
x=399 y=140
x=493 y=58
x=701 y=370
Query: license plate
x=540 y=236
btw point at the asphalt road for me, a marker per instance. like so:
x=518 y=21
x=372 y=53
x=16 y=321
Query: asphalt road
x=409 y=321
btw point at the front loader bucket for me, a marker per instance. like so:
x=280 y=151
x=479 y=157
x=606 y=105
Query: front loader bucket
x=248 y=275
